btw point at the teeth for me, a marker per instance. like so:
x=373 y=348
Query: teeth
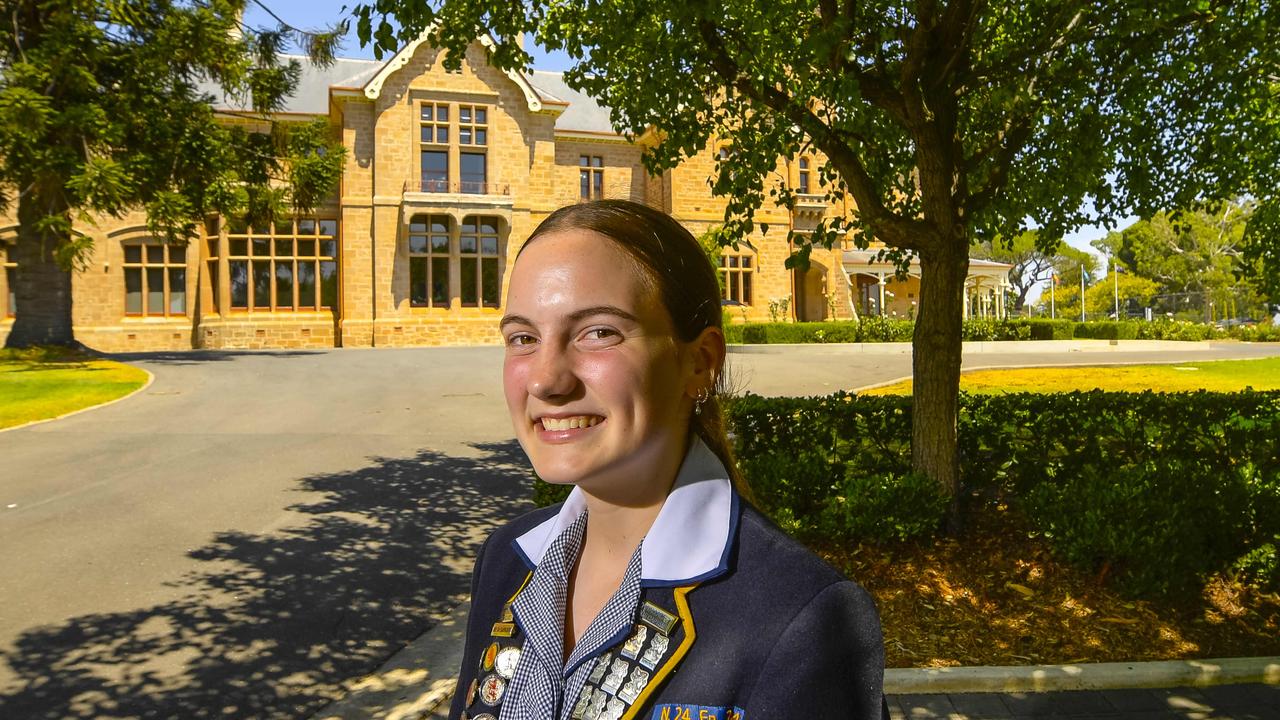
x=571 y=423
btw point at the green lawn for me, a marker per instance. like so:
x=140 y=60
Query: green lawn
x=47 y=382
x=1218 y=376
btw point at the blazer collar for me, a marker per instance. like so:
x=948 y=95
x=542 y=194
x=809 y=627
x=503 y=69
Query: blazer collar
x=691 y=538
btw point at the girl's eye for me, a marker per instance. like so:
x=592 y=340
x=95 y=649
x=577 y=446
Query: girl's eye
x=600 y=334
x=520 y=340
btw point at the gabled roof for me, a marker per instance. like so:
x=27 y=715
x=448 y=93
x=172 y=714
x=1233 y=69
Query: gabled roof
x=581 y=113
x=373 y=88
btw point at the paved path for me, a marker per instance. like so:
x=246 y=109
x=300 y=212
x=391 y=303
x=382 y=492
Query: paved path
x=257 y=527
x=1224 y=702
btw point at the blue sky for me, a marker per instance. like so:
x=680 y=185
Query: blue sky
x=316 y=14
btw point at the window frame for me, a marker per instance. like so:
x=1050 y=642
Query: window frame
x=319 y=260
x=590 y=177
x=430 y=256
x=469 y=120
x=10 y=294
x=143 y=267
x=736 y=270
x=480 y=257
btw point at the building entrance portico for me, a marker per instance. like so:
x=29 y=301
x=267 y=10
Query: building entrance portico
x=879 y=290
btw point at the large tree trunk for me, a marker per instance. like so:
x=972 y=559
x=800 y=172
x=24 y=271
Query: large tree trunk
x=935 y=365
x=43 y=287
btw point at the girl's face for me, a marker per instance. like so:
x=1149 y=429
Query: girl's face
x=599 y=388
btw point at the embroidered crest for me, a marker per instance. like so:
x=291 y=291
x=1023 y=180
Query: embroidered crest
x=676 y=711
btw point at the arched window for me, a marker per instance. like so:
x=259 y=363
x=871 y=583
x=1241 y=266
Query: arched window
x=440 y=265
x=478 y=250
x=429 y=261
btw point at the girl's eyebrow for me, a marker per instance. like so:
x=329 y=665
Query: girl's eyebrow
x=574 y=316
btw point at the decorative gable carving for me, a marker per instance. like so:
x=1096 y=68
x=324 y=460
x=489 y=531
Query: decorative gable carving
x=373 y=89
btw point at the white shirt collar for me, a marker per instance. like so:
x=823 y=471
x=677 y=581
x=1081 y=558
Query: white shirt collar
x=691 y=537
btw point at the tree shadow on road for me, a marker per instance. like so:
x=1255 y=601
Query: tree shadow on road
x=273 y=622
x=195 y=357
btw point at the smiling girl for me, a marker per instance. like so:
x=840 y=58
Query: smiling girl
x=655 y=590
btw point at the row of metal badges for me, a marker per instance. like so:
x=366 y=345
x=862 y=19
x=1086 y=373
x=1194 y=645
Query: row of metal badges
x=619 y=677
x=616 y=681
x=497 y=667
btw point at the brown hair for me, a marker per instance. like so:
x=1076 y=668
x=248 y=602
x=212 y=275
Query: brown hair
x=684 y=279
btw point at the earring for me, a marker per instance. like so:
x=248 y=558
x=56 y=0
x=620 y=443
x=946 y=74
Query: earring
x=703 y=395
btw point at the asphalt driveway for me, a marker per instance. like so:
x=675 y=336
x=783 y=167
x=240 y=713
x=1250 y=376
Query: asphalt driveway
x=256 y=527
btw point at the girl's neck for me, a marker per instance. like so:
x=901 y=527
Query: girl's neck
x=618 y=521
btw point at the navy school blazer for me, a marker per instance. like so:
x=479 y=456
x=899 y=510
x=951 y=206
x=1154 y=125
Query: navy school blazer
x=771 y=632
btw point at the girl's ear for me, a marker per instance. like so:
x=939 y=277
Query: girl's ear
x=707 y=353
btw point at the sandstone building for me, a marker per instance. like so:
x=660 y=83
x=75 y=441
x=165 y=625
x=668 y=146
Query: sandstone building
x=447 y=173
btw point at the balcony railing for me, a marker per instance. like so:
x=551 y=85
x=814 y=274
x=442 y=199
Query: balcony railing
x=464 y=187
x=810 y=205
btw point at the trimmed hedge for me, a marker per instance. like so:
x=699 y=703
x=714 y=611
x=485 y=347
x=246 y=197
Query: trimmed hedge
x=1154 y=490
x=879 y=329
x=1052 y=329
x=1160 y=489
x=1107 y=330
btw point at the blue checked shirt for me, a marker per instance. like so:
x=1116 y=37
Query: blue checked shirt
x=543 y=686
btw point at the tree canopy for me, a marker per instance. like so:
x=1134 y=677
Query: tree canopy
x=944 y=122
x=1194 y=256
x=104 y=109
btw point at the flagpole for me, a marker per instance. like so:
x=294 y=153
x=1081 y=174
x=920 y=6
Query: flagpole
x=1115 y=270
x=1081 y=292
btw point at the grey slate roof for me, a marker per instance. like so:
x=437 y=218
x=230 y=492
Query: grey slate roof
x=583 y=113
x=312 y=93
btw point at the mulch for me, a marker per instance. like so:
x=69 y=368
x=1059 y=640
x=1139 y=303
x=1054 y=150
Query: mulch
x=997 y=596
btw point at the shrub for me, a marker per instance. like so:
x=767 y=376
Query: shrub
x=1256 y=333
x=1260 y=566
x=1176 y=330
x=1051 y=329
x=882 y=508
x=544 y=493
x=1107 y=330
x=1160 y=525
x=1158 y=488
x=882 y=329
x=733 y=334
x=1149 y=467
x=989 y=329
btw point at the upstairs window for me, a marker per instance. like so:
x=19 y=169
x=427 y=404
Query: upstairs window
x=473 y=125
x=434 y=120
x=590 y=177
x=433 y=134
x=803 y=185
x=155 y=279
x=473 y=173
x=453 y=144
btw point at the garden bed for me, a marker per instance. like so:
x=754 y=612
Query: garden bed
x=996 y=596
